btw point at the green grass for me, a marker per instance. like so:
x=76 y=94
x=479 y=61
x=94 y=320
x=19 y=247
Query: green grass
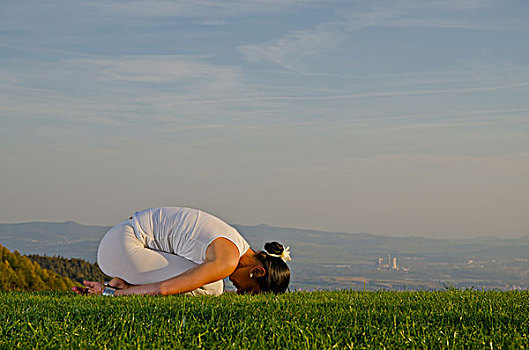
x=316 y=320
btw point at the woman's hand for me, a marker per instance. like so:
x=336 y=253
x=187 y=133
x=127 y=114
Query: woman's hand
x=91 y=288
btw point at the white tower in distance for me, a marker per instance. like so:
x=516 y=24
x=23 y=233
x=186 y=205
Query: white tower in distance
x=395 y=266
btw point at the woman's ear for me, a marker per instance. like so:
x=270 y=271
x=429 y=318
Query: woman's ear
x=258 y=271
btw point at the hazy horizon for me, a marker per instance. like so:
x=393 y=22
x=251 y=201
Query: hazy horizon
x=308 y=229
x=395 y=118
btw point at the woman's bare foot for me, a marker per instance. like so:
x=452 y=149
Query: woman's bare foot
x=118 y=283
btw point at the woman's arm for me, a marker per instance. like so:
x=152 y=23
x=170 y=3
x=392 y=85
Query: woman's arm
x=222 y=257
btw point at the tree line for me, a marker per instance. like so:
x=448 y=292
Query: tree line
x=39 y=273
x=77 y=270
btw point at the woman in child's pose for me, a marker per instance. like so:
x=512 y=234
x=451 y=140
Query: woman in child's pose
x=174 y=250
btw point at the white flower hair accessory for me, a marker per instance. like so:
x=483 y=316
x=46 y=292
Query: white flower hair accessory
x=285 y=255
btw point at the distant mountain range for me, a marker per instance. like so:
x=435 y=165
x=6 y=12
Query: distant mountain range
x=318 y=256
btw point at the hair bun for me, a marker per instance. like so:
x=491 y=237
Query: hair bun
x=274 y=248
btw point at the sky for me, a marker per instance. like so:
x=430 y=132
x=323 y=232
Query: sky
x=398 y=118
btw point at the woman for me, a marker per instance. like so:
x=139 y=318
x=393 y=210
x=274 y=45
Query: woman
x=175 y=250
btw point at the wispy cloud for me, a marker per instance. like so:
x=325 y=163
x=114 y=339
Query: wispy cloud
x=363 y=95
x=171 y=89
x=199 y=8
x=212 y=22
x=174 y=92
x=296 y=47
x=161 y=69
x=286 y=51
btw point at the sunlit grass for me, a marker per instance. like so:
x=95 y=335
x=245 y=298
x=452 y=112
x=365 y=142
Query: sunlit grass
x=315 y=320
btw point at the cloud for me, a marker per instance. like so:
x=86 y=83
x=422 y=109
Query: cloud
x=175 y=90
x=148 y=92
x=298 y=46
x=286 y=51
x=212 y=22
x=364 y=95
x=198 y=8
x=472 y=15
x=450 y=5
x=160 y=69
x=213 y=9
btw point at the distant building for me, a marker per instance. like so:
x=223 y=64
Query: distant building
x=392 y=264
x=395 y=266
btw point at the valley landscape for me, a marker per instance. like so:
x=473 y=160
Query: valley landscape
x=331 y=260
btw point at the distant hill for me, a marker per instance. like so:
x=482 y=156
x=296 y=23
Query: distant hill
x=19 y=273
x=312 y=246
x=325 y=259
x=67 y=239
x=73 y=240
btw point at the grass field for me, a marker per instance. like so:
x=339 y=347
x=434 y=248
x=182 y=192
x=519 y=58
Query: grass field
x=301 y=320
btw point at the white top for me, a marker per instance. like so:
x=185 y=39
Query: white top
x=183 y=231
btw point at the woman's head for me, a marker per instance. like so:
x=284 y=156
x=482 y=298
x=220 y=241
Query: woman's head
x=264 y=271
x=277 y=275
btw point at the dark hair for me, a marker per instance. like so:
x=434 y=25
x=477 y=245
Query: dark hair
x=277 y=272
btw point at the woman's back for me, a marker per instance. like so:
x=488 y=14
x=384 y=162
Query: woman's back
x=183 y=231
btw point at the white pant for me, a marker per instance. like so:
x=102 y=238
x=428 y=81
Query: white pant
x=121 y=254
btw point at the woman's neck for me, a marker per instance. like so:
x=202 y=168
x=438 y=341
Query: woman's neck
x=247 y=258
